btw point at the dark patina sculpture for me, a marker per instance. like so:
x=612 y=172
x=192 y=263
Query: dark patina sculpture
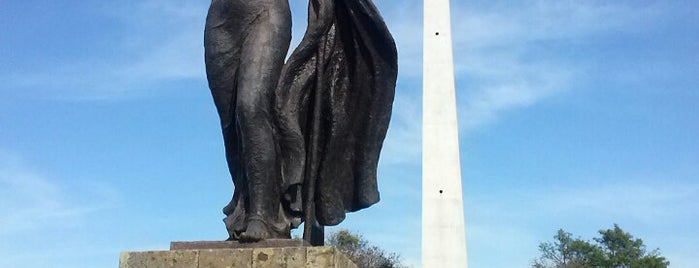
x=302 y=137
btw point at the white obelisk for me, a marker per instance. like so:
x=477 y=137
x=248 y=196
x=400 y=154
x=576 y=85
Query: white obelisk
x=443 y=228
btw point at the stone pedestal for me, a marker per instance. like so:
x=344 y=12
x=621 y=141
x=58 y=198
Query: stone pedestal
x=219 y=257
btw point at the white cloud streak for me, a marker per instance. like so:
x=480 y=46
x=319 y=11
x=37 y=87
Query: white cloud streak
x=31 y=201
x=497 y=66
x=643 y=207
x=160 y=42
x=499 y=58
x=403 y=142
x=650 y=203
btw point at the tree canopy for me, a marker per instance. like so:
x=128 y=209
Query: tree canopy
x=615 y=248
x=361 y=252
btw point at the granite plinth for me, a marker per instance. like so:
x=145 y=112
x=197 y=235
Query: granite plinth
x=313 y=257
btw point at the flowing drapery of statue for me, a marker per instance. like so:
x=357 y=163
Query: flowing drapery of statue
x=303 y=136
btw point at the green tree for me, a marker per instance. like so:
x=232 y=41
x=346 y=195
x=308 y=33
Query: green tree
x=567 y=252
x=361 y=252
x=622 y=250
x=613 y=249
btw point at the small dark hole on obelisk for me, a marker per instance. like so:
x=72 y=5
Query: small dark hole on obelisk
x=440 y=191
x=437 y=33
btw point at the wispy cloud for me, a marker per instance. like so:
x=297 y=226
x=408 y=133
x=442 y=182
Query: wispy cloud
x=639 y=200
x=403 y=141
x=404 y=19
x=648 y=202
x=646 y=208
x=499 y=51
x=157 y=42
x=487 y=237
x=499 y=63
x=31 y=201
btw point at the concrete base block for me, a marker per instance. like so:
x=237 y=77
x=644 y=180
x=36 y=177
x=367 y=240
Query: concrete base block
x=277 y=257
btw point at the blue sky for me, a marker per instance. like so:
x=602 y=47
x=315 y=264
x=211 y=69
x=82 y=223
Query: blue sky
x=573 y=115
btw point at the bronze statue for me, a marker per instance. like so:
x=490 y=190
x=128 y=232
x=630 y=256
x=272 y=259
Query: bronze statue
x=302 y=137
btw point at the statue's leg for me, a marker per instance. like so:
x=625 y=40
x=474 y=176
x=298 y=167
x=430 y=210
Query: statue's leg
x=222 y=40
x=262 y=58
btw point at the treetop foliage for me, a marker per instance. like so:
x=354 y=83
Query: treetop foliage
x=361 y=252
x=613 y=249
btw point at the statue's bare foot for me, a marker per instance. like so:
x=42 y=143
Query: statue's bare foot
x=256 y=231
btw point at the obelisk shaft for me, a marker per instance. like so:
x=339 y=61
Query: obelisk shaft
x=443 y=228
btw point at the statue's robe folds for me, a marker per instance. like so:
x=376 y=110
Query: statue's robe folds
x=328 y=111
x=245 y=44
x=333 y=105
